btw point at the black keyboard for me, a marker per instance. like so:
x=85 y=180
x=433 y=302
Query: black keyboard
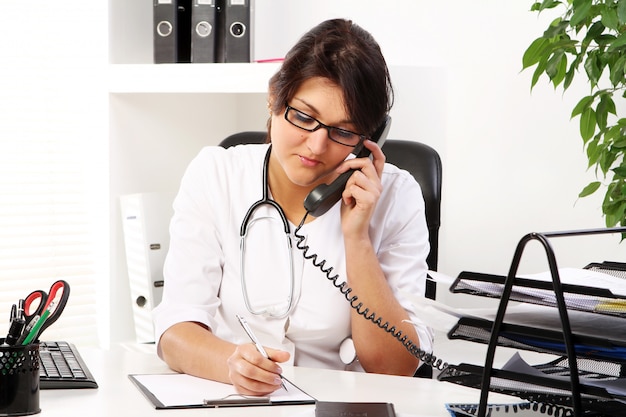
x=61 y=366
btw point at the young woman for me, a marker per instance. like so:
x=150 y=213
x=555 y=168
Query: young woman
x=331 y=94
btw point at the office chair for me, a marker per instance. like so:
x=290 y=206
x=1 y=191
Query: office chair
x=421 y=161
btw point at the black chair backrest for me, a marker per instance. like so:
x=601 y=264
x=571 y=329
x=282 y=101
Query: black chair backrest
x=424 y=163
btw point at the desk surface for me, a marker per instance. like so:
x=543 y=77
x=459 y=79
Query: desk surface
x=117 y=396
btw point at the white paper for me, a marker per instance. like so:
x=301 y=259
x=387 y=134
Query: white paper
x=181 y=390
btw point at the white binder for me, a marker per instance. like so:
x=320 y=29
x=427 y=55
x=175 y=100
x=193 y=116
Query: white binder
x=145 y=223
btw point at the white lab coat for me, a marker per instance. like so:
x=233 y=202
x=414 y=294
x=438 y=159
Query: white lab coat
x=202 y=269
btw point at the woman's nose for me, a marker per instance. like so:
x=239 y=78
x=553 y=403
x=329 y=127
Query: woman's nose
x=317 y=141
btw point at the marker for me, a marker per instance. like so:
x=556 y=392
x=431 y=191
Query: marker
x=27 y=330
x=256 y=342
x=35 y=330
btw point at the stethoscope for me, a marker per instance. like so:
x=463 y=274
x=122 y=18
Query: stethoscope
x=274 y=311
x=347 y=351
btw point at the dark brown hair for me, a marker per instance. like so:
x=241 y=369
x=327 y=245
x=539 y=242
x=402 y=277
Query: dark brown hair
x=350 y=57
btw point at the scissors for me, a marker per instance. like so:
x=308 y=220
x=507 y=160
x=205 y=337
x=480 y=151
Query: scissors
x=38 y=301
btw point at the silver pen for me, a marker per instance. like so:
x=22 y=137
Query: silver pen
x=256 y=342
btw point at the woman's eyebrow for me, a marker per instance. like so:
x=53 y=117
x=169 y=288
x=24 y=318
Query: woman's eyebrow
x=317 y=113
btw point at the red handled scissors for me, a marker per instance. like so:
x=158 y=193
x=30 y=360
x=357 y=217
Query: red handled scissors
x=39 y=301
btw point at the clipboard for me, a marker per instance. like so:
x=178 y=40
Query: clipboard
x=176 y=391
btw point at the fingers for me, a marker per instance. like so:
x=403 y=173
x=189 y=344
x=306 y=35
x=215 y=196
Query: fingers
x=364 y=186
x=377 y=161
x=253 y=374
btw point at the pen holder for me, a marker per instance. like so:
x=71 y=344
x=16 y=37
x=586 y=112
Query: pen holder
x=19 y=380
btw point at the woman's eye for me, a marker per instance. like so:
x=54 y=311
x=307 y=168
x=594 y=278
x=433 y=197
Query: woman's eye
x=344 y=134
x=303 y=118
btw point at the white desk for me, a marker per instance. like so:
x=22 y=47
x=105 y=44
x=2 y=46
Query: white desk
x=117 y=396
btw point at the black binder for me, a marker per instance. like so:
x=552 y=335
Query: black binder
x=172 y=31
x=235 y=32
x=203 y=30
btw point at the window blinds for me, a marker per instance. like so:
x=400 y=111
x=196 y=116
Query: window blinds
x=52 y=113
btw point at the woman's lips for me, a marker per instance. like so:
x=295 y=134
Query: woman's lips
x=308 y=162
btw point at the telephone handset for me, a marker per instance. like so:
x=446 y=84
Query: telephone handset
x=324 y=196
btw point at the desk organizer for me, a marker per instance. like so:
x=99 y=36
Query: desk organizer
x=19 y=380
x=580 y=381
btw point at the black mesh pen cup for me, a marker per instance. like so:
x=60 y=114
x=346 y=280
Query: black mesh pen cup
x=19 y=380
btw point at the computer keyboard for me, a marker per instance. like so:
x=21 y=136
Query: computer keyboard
x=61 y=366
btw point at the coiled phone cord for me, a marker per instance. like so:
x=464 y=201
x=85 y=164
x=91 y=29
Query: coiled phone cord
x=425 y=357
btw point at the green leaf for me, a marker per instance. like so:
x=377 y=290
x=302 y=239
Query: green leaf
x=594 y=31
x=593 y=68
x=593 y=152
x=607 y=99
x=617 y=43
x=606 y=161
x=582 y=105
x=545 y=4
x=605 y=106
x=569 y=75
x=534 y=52
x=581 y=12
x=621 y=12
x=620 y=142
x=538 y=71
x=616 y=73
x=587 y=124
x=620 y=171
x=590 y=189
x=604 y=39
x=552 y=67
x=560 y=73
x=556 y=28
x=609 y=18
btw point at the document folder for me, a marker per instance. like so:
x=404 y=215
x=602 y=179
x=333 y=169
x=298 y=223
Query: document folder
x=171 y=31
x=203 y=31
x=171 y=391
x=234 y=41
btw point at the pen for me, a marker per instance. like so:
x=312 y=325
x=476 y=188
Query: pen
x=20 y=309
x=13 y=313
x=256 y=342
x=15 y=330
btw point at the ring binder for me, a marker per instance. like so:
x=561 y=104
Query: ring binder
x=203 y=31
x=234 y=36
x=171 y=31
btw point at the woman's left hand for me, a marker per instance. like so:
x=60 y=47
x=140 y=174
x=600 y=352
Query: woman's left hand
x=362 y=190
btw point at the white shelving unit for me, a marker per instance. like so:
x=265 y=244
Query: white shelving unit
x=160 y=116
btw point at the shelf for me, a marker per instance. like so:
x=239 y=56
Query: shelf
x=190 y=78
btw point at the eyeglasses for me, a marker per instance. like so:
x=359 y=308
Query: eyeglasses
x=311 y=124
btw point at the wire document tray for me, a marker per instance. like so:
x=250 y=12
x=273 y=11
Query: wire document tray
x=577 y=297
x=595 y=401
x=589 y=378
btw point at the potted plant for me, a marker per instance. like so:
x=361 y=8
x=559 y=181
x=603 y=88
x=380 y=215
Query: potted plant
x=587 y=38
